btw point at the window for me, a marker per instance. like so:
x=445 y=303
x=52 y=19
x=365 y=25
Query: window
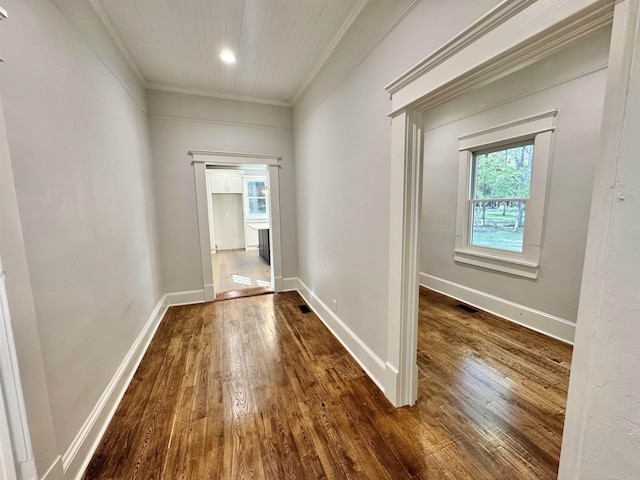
x=256 y=198
x=502 y=185
x=501 y=180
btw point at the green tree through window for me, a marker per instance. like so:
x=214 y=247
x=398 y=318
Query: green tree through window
x=499 y=196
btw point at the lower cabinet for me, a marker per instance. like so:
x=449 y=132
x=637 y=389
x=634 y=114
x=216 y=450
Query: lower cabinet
x=250 y=236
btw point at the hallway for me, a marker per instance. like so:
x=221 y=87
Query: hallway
x=255 y=388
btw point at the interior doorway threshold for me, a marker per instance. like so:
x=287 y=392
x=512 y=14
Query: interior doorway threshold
x=245 y=292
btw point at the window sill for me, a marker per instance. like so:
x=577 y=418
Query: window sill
x=512 y=266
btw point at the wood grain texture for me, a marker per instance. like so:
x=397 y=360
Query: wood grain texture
x=236 y=270
x=253 y=388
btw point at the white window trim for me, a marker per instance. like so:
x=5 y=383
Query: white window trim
x=525 y=264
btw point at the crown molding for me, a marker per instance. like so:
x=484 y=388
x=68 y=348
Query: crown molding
x=362 y=57
x=117 y=39
x=213 y=94
x=308 y=78
x=111 y=30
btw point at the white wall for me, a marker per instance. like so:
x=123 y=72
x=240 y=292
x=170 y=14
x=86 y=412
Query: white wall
x=602 y=428
x=21 y=328
x=342 y=148
x=573 y=81
x=183 y=122
x=80 y=152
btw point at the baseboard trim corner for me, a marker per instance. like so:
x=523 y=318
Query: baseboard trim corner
x=373 y=365
x=79 y=453
x=541 y=322
x=187 y=297
x=289 y=284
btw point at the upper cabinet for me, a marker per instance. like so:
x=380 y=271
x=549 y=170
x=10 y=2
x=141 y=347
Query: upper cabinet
x=225 y=181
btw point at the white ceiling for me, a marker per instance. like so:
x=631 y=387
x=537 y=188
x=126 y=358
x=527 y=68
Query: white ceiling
x=280 y=44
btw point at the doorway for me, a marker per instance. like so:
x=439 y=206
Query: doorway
x=448 y=73
x=254 y=179
x=238 y=207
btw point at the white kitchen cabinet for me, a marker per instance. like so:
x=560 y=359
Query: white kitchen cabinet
x=218 y=182
x=234 y=183
x=225 y=181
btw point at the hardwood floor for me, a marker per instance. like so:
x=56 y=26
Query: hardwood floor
x=236 y=270
x=254 y=388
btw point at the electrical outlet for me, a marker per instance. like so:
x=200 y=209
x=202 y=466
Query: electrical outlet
x=334 y=304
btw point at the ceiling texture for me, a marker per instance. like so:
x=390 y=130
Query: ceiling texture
x=280 y=44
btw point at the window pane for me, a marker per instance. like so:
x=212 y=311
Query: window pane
x=256 y=189
x=503 y=173
x=498 y=225
x=257 y=205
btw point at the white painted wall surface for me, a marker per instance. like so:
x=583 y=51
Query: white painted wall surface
x=182 y=122
x=81 y=158
x=573 y=81
x=602 y=429
x=342 y=149
x=22 y=317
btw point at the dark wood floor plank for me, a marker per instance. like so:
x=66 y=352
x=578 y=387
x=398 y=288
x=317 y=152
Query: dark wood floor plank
x=252 y=388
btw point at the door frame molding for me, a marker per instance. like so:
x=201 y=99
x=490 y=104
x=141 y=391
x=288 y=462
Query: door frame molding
x=514 y=34
x=200 y=160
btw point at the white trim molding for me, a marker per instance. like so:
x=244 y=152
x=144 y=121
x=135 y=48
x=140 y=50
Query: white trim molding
x=510 y=37
x=77 y=456
x=211 y=157
x=372 y=364
x=214 y=94
x=498 y=15
x=17 y=454
x=537 y=129
x=187 y=297
x=55 y=471
x=331 y=46
x=404 y=254
x=289 y=284
x=547 y=324
x=200 y=160
x=3 y=16
x=600 y=437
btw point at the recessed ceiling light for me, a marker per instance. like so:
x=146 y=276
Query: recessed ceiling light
x=227 y=56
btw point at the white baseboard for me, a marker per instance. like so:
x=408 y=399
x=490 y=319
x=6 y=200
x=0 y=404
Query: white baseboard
x=373 y=365
x=83 y=446
x=289 y=284
x=188 y=297
x=75 y=460
x=55 y=471
x=542 y=322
